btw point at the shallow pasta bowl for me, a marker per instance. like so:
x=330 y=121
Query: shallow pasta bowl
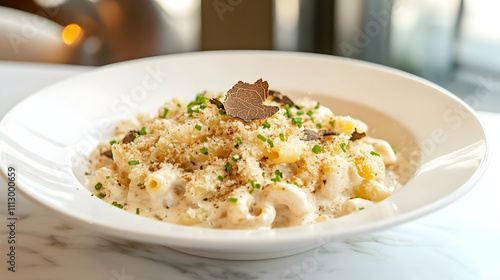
x=49 y=135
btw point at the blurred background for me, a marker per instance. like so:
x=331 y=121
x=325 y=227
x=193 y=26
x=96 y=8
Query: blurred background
x=454 y=43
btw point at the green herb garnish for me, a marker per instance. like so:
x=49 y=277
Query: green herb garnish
x=278 y=177
x=143 y=131
x=98 y=186
x=117 y=204
x=227 y=166
x=282 y=137
x=165 y=112
x=266 y=125
x=298 y=121
x=316 y=149
x=332 y=123
x=261 y=137
x=233 y=199
x=318 y=125
x=220 y=178
x=375 y=154
x=236 y=157
x=134 y=162
x=204 y=151
x=342 y=146
x=101 y=195
x=197 y=127
x=270 y=142
x=287 y=108
x=113 y=142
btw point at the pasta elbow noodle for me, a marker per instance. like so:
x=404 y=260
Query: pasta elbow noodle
x=285 y=153
x=289 y=195
x=161 y=182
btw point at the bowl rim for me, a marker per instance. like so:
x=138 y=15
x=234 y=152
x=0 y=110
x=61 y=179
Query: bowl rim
x=281 y=235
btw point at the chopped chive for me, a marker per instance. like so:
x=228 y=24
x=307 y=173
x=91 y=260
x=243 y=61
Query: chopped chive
x=236 y=157
x=299 y=113
x=107 y=177
x=257 y=186
x=134 y=162
x=251 y=190
x=266 y=125
x=261 y=137
x=373 y=153
x=233 y=199
x=205 y=139
x=101 y=195
x=165 y=112
x=221 y=112
x=358 y=196
x=137 y=135
x=98 y=186
x=394 y=150
x=278 y=177
x=309 y=113
x=316 y=149
x=117 y=204
x=139 y=184
x=238 y=141
x=113 y=142
x=137 y=211
x=287 y=108
x=220 y=178
x=332 y=123
x=264 y=174
x=143 y=131
x=298 y=121
x=227 y=166
x=361 y=208
x=342 y=146
x=152 y=162
x=178 y=105
x=282 y=137
x=204 y=151
x=295 y=183
x=270 y=142
x=251 y=182
x=197 y=127
x=318 y=125
x=317 y=105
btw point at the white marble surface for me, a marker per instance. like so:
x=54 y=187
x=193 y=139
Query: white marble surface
x=461 y=241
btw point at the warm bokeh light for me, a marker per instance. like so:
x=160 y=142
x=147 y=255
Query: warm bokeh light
x=72 y=33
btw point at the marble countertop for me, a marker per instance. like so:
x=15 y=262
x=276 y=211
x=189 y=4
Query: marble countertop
x=461 y=241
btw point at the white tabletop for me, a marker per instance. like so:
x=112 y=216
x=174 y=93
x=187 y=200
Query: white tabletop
x=461 y=241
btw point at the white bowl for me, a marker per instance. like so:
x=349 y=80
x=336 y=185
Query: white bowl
x=48 y=136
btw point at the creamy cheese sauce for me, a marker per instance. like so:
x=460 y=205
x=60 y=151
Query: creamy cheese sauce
x=208 y=169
